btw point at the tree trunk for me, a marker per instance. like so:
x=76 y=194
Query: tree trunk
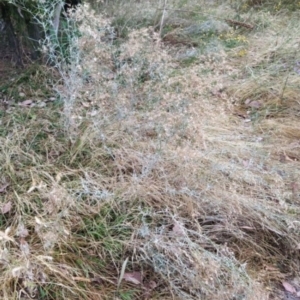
x=35 y=34
x=13 y=40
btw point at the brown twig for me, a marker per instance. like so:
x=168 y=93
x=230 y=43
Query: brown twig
x=242 y=24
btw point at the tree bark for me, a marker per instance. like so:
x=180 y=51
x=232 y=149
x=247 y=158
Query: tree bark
x=13 y=40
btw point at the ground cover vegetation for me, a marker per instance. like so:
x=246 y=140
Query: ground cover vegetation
x=152 y=152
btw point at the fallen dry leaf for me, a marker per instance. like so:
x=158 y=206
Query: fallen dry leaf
x=85 y=104
x=254 y=104
x=133 y=277
x=178 y=229
x=26 y=103
x=3 y=187
x=151 y=285
x=6 y=207
x=246 y=163
x=288 y=287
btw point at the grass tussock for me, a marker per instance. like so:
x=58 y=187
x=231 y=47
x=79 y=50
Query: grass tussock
x=157 y=176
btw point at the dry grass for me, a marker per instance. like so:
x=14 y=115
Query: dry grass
x=164 y=168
